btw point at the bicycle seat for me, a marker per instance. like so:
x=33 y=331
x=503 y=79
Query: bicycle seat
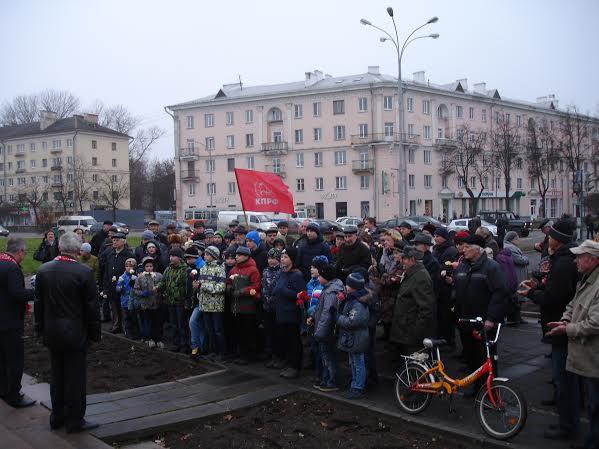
x=433 y=343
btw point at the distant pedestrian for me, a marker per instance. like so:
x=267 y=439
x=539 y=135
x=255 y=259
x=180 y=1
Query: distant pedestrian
x=48 y=248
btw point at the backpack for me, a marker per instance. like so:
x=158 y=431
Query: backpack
x=505 y=261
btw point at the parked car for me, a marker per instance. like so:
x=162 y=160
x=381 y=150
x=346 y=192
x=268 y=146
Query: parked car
x=4 y=232
x=97 y=226
x=394 y=222
x=293 y=224
x=349 y=221
x=461 y=224
x=515 y=223
x=327 y=224
x=72 y=222
x=421 y=220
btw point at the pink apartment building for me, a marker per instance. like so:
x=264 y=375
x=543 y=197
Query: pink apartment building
x=333 y=141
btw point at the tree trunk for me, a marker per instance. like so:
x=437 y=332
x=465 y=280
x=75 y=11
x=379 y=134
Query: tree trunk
x=113 y=213
x=542 y=207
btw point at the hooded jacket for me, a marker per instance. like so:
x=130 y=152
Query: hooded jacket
x=172 y=285
x=143 y=289
x=520 y=261
x=352 y=324
x=244 y=277
x=324 y=320
x=211 y=293
x=269 y=279
x=288 y=285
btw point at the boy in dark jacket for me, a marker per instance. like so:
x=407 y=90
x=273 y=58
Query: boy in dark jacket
x=270 y=275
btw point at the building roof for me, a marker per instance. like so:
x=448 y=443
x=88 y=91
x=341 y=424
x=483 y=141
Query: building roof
x=59 y=126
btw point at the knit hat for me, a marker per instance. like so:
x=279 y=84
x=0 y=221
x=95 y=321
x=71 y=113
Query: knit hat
x=213 y=251
x=545 y=222
x=283 y=224
x=272 y=230
x=405 y=224
x=319 y=261
x=146 y=260
x=209 y=231
x=355 y=281
x=151 y=244
x=461 y=236
x=510 y=236
x=200 y=246
x=327 y=272
x=430 y=228
x=220 y=233
x=475 y=240
x=442 y=232
x=244 y=251
x=313 y=227
x=131 y=261
x=350 y=230
x=254 y=236
x=191 y=253
x=561 y=231
x=423 y=238
x=147 y=235
x=86 y=248
x=292 y=253
x=280 y=241
x=108 y=222
x=178 y=252
x=274 y=253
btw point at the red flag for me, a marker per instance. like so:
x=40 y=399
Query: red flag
x=263 y=192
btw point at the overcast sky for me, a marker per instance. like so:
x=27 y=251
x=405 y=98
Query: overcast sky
x=146 y=54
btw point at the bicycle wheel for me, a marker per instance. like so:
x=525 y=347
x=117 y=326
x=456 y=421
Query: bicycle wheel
x=412 y=402
x=507 y=417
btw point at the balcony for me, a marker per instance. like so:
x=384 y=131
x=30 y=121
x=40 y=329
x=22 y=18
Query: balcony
x=445 y=143
x=190 y=175
x=362 y=166
x=56 y=150
x=275 y=148
x=56 y=184
x=446 y=168
x=277 y=170
x=377 y=138
x=20 y=170
x=56 y=168
x=186 y=154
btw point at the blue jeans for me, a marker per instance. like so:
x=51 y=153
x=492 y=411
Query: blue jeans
x=213 y=325
x=326 y=363
x=357 y=363
x=591 y=385
x=567 y=388
x=196 y=326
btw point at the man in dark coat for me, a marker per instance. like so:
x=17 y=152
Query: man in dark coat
x=312 y=247
x=445 y=251
x=423 y=243
x=258 y=250
x=112 y=266
x=405 y=229
x=354 y=252
x=99 y=238
x=66 y=315
x=13 y=299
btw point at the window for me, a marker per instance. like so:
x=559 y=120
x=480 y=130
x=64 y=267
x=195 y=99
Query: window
x=299 y=184
x=440 y=133
x=32 y=163
x=362 y=104
x=32 y=147
x=210 y=165
x=410 y=129
x=113 y=146
x=249 y=162
x=316 y=109
x=317 y=134
x=9 y=149
x=472 y=181
x=231 y=187
x=94 y=161
x=231 y=164
x=339 y=107
x=387 y=102
x=519 y=120
x=388 y=129
x=56 y=144
x=230 y=141
x=114 y=178
x=471 y=113
x=10 y=181
x=298 y=110
x=410 y=104
x=69 y=160
x=211 y=188
x=208 y=120
x=277 y=136
x=114 y=162
x=483 y=115
x=20 y=165
x=299 y=160
x=411 y=156
x=46 y=179
x=411 y=181
x=249 y=140
x=319 y=184
x=519 y=183
x=340 y=157
x=427 y=156
x=460 y=182
x=44 y=162
x=190 y=122
x=318 y=159
x=498 y=182
x=299 y=136
x=94 y=178
x=192 y=189
x=485 y=182
x=94 y=144
x=459 y=112
x=363 y=130
x=339 y=132
x=44 y=145
x=340 y=182
x=21 y=148
x=426 y=106
x=519 y=163
x=427 y=132
x=210 y=143
x=249 y=116
x=507 y=118
x=229 y=118
x=33 y=180
x=70 y=177
x=364 y=182
x=444 y=181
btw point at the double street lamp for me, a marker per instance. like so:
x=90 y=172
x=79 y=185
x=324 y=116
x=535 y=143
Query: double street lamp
x=402 y=172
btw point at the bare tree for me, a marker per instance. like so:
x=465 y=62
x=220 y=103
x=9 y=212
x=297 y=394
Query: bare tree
x=467 y=161
x=115 y=188
x=25 y=108
x=63 y=102
x=116 y=117
x=35 y=196
x=82 y=185
x=505 y=150
x=143 y=141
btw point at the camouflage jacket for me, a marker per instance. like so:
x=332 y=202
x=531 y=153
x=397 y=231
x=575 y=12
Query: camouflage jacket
x=172 y=285
x=211 y=294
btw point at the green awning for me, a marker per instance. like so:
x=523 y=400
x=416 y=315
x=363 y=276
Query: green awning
x=518 y=194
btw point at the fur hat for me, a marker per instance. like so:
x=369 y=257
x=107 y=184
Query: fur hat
x=355 y=281
x=442 y=232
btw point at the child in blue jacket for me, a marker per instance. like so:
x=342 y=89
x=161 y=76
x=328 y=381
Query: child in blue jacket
x=124 y=287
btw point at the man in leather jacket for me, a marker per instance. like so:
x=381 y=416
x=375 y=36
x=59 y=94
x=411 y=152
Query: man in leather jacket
x=67 y=316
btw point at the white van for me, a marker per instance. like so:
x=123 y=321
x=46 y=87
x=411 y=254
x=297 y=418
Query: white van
x=256 y=220
x=72 y=222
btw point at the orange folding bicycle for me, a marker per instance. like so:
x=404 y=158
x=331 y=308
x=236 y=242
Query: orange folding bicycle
x=500 y=407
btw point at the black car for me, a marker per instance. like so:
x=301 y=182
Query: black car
x=514 y=223
x=394 y=222
x=328 y=224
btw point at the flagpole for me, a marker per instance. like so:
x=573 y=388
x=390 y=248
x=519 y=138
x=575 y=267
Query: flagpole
x=247 y=224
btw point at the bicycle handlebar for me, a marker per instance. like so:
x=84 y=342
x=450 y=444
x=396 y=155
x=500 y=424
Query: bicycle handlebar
x=478 y=320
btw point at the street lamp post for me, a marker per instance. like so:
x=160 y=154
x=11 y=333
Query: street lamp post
x=399 y=116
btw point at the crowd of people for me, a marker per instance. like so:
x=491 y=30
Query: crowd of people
x=250 y=296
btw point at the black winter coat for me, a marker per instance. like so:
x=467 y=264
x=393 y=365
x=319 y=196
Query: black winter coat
x=434 y=270
x=558 y=291
x=13 y=295
x=350 y=256
x=66 y=305
x=97 y=241
x=308 y=251
x=260 y=257
x=284 y=293
x=112 y=265
x=480 y=290
x=45 y=253
x=444 y=252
